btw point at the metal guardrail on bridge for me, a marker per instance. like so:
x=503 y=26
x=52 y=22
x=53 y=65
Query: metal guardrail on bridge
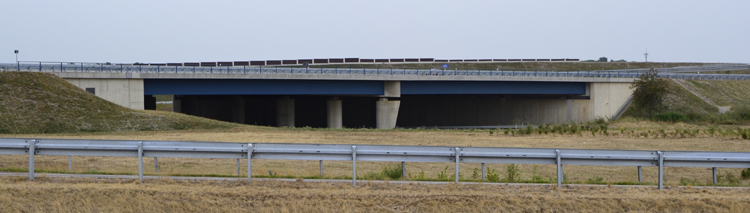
x=354 y=153
x=123 y=68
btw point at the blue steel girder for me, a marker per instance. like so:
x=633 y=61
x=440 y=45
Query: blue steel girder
x=354 y=87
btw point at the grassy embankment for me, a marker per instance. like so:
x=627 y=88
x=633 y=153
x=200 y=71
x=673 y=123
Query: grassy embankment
x=732 y=94
x=43 y=103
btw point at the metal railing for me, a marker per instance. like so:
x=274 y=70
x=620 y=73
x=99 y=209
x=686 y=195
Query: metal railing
x=355 y=153
x=128 y=68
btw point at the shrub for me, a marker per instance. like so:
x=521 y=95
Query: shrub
x=492 y=175
x=443 y=175
x=669 y=117
x=511 y=174
x=394 y=172
x=649 y=92
x=745 y=173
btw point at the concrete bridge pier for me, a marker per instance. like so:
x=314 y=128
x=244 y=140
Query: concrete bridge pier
x=386 y=113
x=285 y=112
x=386 y=110
x=176 y=103
x=335 y=118
x=238 y=110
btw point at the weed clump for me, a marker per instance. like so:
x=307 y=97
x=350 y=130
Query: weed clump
x=511 y=173
x=492 y=175
x=669 y=117
x=394 y=172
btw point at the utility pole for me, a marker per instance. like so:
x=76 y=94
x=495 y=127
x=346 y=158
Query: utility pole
x=646 y=55
x=18 y=66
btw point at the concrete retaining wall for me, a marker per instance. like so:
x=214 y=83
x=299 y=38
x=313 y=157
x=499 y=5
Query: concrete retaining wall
x=125 y=92
x=463 y=110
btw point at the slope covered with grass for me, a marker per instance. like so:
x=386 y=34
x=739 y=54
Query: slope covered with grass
x=723 y=93
x=680 y=100
x=44 y=103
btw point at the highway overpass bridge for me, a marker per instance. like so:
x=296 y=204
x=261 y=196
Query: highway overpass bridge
x=353 y=98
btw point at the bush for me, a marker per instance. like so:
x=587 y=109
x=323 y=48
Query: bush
x=511 y=174
x=443 y=175
x=649 y=91
x=745 y=174
x=394 y=172
x=492 y=175
x=669 y=117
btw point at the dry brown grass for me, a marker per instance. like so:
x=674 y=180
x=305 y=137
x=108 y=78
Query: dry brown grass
x=341 y=169
x=166 y=195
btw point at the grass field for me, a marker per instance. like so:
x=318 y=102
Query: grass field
x=166 y=195
x=701 y=140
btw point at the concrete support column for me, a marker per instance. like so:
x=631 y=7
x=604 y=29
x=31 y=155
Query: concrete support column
x=334 y=114
x=386 y=113
x=238 y=110
x=569 y=110
x=504 y=112
x=176 y=104
x=285 y=112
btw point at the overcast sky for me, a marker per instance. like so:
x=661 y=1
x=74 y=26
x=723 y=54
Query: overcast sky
x=186 y=30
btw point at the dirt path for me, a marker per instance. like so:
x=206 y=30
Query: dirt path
x=722 y=109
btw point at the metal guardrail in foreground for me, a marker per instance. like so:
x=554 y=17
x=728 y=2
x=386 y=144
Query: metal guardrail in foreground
x=121 y=68
x=354 y=153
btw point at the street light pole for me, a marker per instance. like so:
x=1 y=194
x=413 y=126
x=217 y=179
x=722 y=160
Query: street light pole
x=18 y=66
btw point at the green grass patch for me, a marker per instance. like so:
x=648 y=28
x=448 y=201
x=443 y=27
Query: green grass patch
x=33 y=102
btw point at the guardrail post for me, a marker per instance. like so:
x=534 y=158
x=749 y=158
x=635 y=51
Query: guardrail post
x=714 y=172
x=238 y=167
x=458 y=153
x=70 y=163
x=640 y=178
x=140 y=160
x=250 y=149
x=559 y=169
x=354 y=165
x=661 y=169
x=32 y=147
x=156 y=166
x=483 y=176
x=403 y=169
x=321 y=168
